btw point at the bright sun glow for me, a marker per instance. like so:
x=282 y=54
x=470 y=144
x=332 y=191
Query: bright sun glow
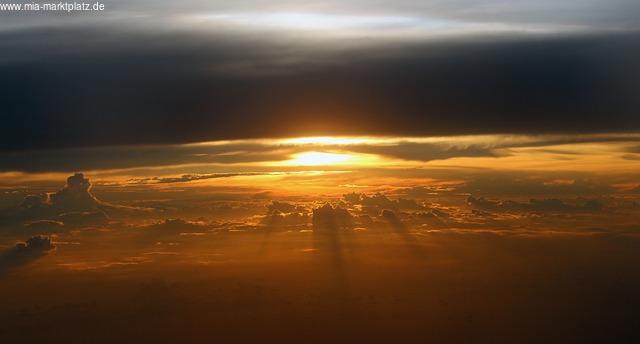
x=319 y=158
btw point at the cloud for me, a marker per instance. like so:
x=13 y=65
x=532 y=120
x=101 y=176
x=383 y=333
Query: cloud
x=142 y=159
x=84 y=218
x=24 y=253
x=431 y=217
x=521 y=184
x=631 y=156
x=284 y=215
x=117 y=157
x=74 y=205
x=36 y=244
x=35 y=202
x=328 y=218
x=181 y=90
x=261 y=195
x=330 y=15
x=277 y=219
x=75 y=195
x=176 y=226
x=426 y=151
x=380 y=201
x=283 y=207
x=536 y=205
x=190 y=177
x=393 y=219
x=44 y=227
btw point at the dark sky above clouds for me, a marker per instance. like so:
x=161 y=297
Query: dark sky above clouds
x=169 y=72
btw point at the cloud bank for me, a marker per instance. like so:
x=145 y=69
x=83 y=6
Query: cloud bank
x=97 y=86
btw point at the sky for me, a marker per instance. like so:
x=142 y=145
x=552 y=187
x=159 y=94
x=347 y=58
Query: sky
x=412 y=171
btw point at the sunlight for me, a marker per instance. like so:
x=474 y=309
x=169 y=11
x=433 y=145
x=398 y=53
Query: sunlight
x=319 y=158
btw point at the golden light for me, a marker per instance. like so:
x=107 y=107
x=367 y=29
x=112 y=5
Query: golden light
x=319 y=158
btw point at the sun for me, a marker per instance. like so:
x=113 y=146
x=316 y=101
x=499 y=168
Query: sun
x=319 y=158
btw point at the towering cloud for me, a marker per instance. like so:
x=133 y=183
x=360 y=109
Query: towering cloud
x=73 y=205
x=75 y=196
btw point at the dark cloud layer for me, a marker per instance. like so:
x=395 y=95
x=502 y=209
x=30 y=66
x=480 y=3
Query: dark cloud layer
x=515 y=184
x=77 y=87
x=535 y=205
x=190 y=177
